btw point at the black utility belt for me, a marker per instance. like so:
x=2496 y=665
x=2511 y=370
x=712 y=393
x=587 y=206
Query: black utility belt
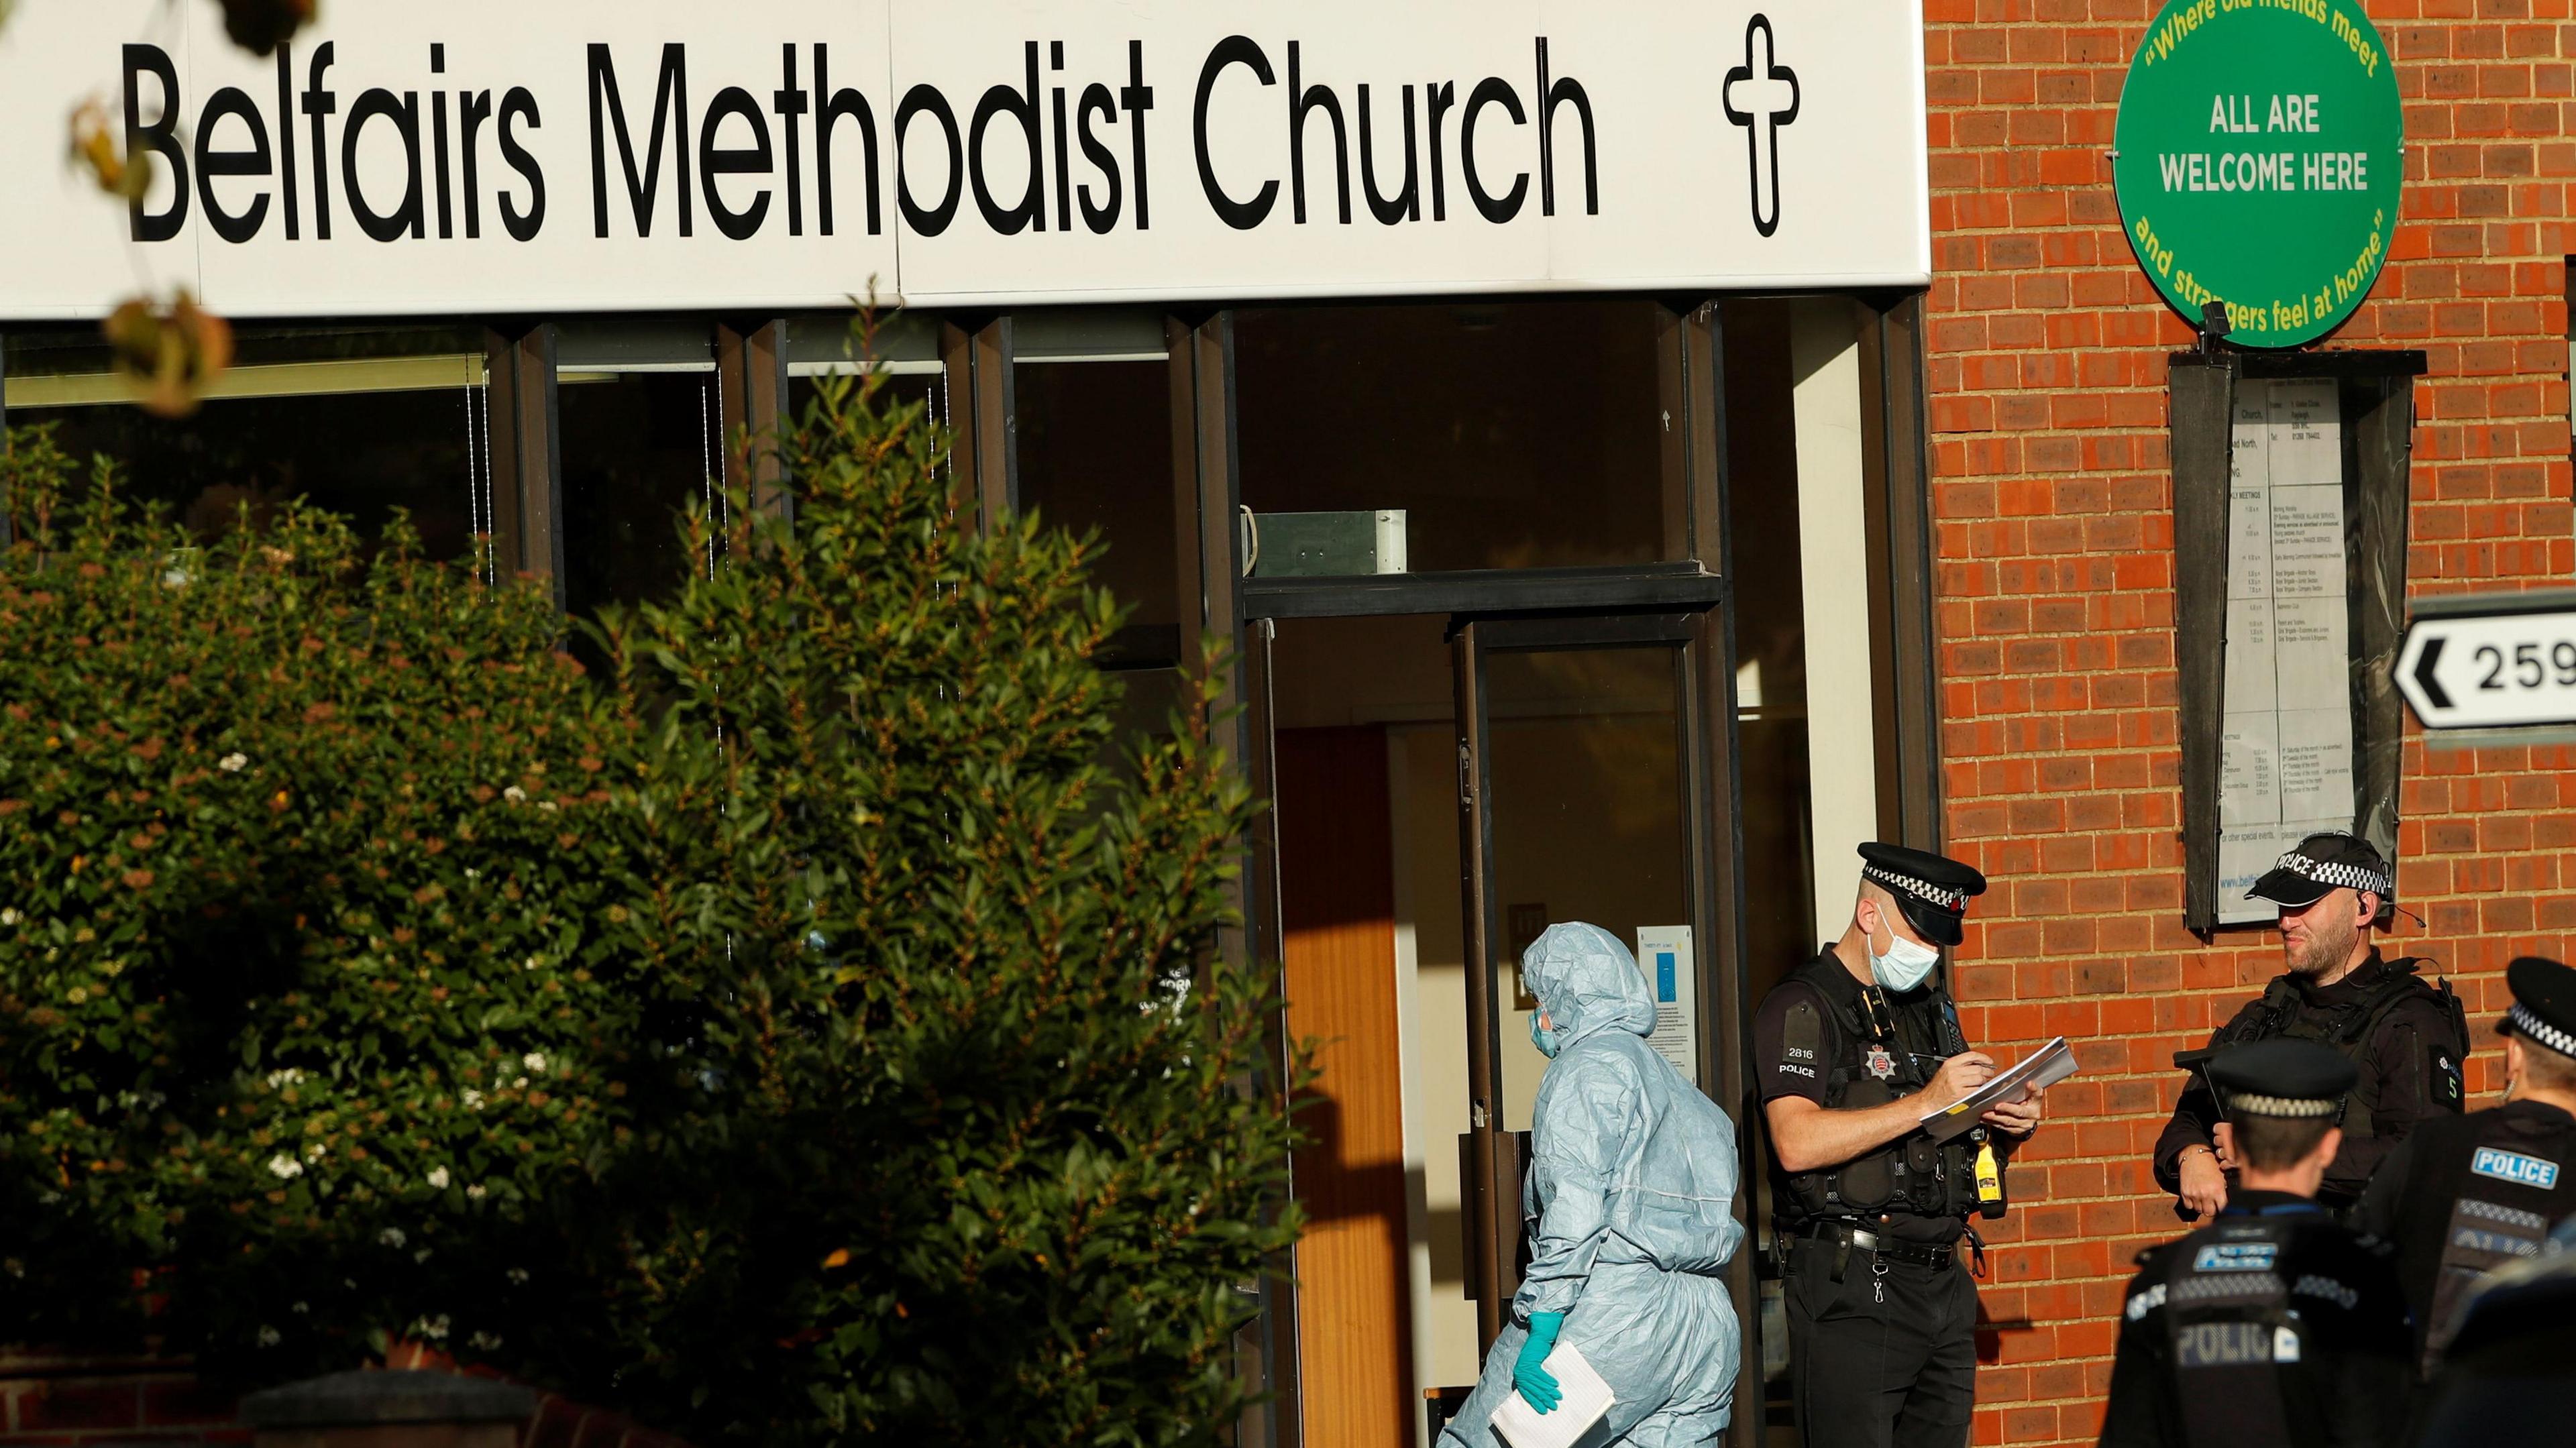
x=1854 y=1237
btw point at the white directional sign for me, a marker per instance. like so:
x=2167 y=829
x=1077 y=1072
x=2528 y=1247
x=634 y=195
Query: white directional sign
x=2497 y=663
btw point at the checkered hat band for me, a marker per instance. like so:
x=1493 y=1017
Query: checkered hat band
x=1954 y=901
x=2294 y=1107
x=2338 y=876
x=2527 y=1024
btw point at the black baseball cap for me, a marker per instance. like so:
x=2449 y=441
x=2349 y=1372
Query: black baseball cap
x=2290 y=1079
x=1932 y=890
x=2544 y=1003
x=2322 y=863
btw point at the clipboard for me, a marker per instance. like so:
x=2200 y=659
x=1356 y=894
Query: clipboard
x=2033 y=1074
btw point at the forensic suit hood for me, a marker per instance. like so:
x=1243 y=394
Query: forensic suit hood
x=1629 y=1204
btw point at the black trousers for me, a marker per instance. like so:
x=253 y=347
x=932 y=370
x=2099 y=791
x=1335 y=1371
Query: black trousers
x=1885 y=1358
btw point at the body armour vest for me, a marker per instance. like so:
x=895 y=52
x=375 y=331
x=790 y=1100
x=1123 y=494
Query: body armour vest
x=1883 y=1050
x=2483 y=1190
x=2240 y=1354
x=2280 y=1014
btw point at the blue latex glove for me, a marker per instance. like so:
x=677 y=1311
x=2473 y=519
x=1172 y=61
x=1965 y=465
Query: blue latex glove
x=1529 y=1371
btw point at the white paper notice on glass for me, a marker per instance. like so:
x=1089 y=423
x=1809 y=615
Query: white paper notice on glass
x=1587 y=1400
x=2315 y=762
x=2285 y=754
x=2245 y=854
x=2303 y=442
x=2249 y=773
x=1664 y=953
x=2251 y=666
x=2249 y=517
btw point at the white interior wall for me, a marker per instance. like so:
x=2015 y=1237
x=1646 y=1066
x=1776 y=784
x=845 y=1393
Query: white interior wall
x=1842 y=748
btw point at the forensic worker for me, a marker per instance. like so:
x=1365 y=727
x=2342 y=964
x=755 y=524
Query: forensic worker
x=2275 y=1326
x=1630 y=1209
x=2465 y=1195
x=1850 y=1052
x=2404 y=1036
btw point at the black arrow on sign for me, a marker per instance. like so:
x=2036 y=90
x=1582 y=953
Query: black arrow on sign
x=2433 y=690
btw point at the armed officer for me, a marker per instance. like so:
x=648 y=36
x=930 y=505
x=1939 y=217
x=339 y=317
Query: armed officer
x=2405 y=1036
x=2275 y=1325
x=2466 y=1195
x=1850 y=1052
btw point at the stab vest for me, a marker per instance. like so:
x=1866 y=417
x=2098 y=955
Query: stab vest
x=2483 y=1190
x=2282 y=1015
x=1908 y=1175
x=2239 y=1353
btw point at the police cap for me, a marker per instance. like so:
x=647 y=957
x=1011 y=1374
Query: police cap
x=2544 y=1004
x=2291 y=1079
x=1932 y=890
x=2332 y=860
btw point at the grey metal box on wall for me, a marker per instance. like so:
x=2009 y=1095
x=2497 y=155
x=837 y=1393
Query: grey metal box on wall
x=1323 y=545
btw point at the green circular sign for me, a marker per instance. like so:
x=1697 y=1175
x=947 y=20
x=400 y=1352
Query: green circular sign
x=2257 y=161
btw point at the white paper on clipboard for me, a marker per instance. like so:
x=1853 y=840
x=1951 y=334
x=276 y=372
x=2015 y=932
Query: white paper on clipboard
x=2036 y=1072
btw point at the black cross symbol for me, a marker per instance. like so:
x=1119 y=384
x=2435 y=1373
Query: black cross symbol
x=1770 y=93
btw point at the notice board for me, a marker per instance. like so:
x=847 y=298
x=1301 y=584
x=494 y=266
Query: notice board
x=2290 y=585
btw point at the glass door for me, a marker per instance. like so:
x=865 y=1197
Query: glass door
x=1587 y=789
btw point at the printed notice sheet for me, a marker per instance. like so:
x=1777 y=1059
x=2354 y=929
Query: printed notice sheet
x=2285 y=768
x=1664 y=953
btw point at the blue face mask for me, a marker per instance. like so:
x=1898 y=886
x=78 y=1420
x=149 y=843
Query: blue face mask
x=1542 y=1037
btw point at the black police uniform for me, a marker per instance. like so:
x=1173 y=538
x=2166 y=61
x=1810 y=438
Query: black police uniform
x=1882 y=1317
x=2274 y=1326
x=2406 y=1035
x=2509 y=1375
x=2466 y=1195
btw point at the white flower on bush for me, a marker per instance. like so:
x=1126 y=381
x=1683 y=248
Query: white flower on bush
x=475 y=1192
x=270 y=1337
x=515 y=795
x=472 y=1098
x=534 y=1060
x=232 y=763
x=438 y=1177
x=284 y=1167
x=517 y=1275
x=9 y=917
x=287 y=1077
x=391 y=1236
x=432 y=1327
x=484 y=1340
x=316 y=1152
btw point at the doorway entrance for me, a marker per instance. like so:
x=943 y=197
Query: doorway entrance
x=1446 y=786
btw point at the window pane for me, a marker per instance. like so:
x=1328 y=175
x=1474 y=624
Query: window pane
x=1095 y=442
x=639 y=449
x=358 y=422
x=1517 y=435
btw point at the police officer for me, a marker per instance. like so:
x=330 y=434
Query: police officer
x=2275 y=1324
x=2465 y=1195
x=2510 y=1370
x=2405 y=1036
x=1850 y=1052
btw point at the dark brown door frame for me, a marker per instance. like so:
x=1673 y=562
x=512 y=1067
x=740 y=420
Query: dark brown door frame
x=1491 y=1165
x=526 y=461
x=751 y=381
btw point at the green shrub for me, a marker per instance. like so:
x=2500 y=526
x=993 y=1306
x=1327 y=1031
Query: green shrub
x=304 y=1013
x=963 y=1124
x=890 y=1091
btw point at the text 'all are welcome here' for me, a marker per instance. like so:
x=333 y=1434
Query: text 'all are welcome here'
x=2259 y=157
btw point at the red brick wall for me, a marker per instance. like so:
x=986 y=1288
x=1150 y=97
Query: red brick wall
x=2054 y=517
